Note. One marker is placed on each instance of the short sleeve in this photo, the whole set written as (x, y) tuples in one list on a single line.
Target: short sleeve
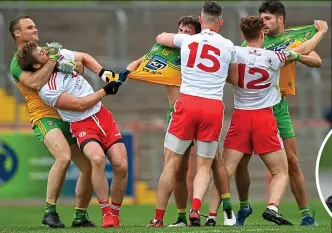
[(179, 38), (233, 54), (67, 55), (49, 95), (277, 59), (15, 70)]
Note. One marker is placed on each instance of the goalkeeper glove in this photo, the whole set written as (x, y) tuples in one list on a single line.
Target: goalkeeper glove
[(53, 50), (107, 75), (66, 67), (112, 87)]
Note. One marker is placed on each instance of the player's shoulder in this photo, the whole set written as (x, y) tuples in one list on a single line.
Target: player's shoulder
[(15, 69)]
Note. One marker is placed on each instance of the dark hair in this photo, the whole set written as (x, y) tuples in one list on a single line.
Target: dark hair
[(212, 8), (274, 7), (251, 26), (190, 20), (25, 58), (13, 25)]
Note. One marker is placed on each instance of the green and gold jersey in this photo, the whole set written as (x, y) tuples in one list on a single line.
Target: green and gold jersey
[(161, 65)]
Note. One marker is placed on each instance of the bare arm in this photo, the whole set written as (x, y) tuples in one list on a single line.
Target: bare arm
[(88, 62), (79, 68), (135, 64), (79, 104), (36, 80), (166, 39), (311, 60), (233, 74)]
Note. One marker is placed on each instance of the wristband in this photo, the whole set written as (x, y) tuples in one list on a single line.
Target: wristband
[(101, 72), (298, 56)]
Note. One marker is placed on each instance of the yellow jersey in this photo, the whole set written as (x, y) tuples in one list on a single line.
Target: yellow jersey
[(37, 108)]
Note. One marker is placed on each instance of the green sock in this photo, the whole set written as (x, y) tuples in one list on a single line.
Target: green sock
[(244, 203), (182, 214), (305, 211), (80, 214), (50, 207), (226, 201)]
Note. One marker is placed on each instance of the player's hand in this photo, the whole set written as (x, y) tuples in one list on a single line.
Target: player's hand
[(321, 25), (290, 54), (107, 75), (53, 50), (66, 67), (112, 87), (123, 74)]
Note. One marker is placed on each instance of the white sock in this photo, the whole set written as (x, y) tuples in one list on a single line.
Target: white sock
[(273, 207), (212, 217)]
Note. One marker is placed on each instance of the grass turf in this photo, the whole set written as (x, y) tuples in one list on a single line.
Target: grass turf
[(27, 219)]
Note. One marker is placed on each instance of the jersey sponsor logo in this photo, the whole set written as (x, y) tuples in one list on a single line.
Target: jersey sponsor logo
[(156, 63), (8, 163), (282, 46), (50, 123)]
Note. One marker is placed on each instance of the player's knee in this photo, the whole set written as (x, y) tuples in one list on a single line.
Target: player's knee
[(293, 163), (121, 168), (63, 160), (97, 159)]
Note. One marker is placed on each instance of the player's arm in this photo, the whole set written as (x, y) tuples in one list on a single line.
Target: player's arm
[(35, 80), (309, 45), (171, 39), (79, 68), (135, 64), (63, 100), (233, 73), (312, 60)]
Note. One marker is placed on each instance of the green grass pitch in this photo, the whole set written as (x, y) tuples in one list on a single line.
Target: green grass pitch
[(27, 219)]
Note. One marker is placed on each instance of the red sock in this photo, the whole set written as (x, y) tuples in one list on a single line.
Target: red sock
[(115, 208), (212, 214), (196, 205), (274, 204), (105, 207), (159, 214)]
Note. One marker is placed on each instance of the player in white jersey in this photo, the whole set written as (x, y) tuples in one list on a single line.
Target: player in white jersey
[(90, 122), (256, 90), (207, 60), (253, 127)]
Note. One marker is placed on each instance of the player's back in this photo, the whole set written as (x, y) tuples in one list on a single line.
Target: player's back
[(259, 71), (205, 60)]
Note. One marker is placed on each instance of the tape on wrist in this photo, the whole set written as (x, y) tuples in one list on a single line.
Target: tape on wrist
[(298, 56)]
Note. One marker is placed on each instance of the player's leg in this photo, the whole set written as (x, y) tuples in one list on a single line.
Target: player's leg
[(180, 188), (296, 177), (239, 138), (268, 144), (221, 184), (181, 191), (48, 131), (117, 155), (242, 181), (207, 138), (83, 189), (93, 151), (179, 136), (276, 162), (192, 169), (174, 150), (83, 185)]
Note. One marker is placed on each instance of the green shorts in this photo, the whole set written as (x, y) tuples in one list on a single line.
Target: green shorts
[(169, 114), (284, 120), (45, 124)]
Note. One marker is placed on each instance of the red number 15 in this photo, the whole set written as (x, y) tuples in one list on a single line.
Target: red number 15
[(193, 47)]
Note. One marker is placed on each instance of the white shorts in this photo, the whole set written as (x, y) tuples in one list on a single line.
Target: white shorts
[(179, 146)]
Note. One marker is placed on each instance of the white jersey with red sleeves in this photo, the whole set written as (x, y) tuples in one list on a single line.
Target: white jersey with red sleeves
[(73, 84), (205, 60), (259, 71)]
